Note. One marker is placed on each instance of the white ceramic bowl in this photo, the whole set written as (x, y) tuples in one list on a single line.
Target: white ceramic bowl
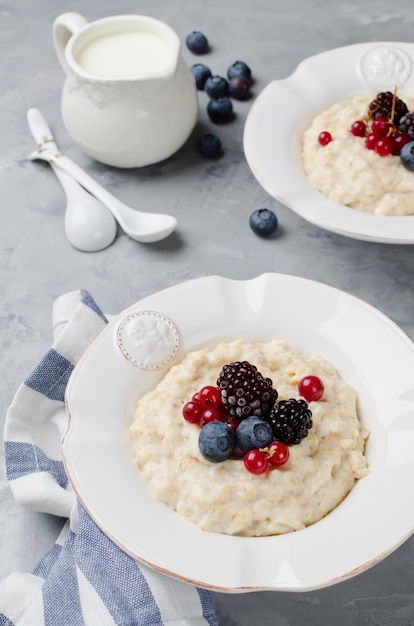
[(369, 351), (284, 109)]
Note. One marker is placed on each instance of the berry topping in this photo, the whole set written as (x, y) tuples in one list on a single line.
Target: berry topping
[(216, 441), (239, 68), (197, 42), (381, 127), (388, 125), (216, 86), (290, 420), (311, 388), (200, 72), (384, 146), (407, 156), (399, 140), (406, 124), (212, 414), (387, 104), (253, 432), (277, 453), (358, 128), (324, 138), (209, 396), (192, 411), (233, 422), (256, 461), (244, 391), (370, 141), (263, 222), (239, 88), (210, 146), (220, 110)]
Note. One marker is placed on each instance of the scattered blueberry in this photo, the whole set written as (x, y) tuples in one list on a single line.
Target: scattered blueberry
[(216, 86), (220, 110), (197, 42), (201, 73), (239, 68), (216, 441), (263, 222), (239, 88), (407, 156), (253, 432), (210, 146)]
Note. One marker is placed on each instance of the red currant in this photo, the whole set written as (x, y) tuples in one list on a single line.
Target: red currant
[(196, 397), (380, 126), (324, 138), (358, 128), (277, 453), (384, 146), (399, 140), (370, 141), (256, 461), (192, 411), (212, 414), (311, 388), (233, 423), (209, 396)]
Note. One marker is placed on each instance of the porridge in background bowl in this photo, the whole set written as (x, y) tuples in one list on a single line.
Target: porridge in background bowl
[(349, 173), (224, 497)]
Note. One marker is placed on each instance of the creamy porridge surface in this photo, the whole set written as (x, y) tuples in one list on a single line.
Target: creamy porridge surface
[(347, 172), (225, 497)]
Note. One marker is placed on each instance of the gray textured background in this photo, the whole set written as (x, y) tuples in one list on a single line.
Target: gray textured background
[(212, 201)]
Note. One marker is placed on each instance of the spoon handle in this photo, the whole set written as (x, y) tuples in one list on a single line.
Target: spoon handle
[(70, 167), (44, 137)]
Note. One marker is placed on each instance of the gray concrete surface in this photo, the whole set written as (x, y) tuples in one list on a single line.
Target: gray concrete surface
[(212, 201)]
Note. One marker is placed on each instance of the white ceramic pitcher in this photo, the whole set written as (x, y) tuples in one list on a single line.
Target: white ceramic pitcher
[(129, 98)]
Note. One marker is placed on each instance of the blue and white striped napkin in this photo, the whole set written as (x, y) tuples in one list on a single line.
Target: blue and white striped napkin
[(84, 579)]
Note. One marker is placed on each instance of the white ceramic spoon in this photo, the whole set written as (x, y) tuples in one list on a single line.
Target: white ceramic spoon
[(89, 226), (139, 225)]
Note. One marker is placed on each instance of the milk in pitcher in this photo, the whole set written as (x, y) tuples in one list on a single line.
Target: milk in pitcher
[(123, 54)]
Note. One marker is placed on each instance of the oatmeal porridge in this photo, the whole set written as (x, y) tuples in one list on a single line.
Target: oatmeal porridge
[(224, 497), (347, 172)]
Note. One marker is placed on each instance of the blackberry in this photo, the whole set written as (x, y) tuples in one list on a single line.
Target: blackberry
[(244, 391), (406, 124), (381, 106), (290, 420)]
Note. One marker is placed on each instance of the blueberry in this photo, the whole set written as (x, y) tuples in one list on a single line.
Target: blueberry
[(220, 110), (263, 222), (253, 432), (210, 146), (407, 156), (239, 88), (197, 42), (216, 441), (201, 73), (216, 86), (239, 68)]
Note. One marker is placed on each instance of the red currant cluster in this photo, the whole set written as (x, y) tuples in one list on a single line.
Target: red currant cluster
[(258, 460), (206, 406), (381, 135)]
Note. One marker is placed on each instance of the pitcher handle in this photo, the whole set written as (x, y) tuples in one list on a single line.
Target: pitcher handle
[(64, 27)]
